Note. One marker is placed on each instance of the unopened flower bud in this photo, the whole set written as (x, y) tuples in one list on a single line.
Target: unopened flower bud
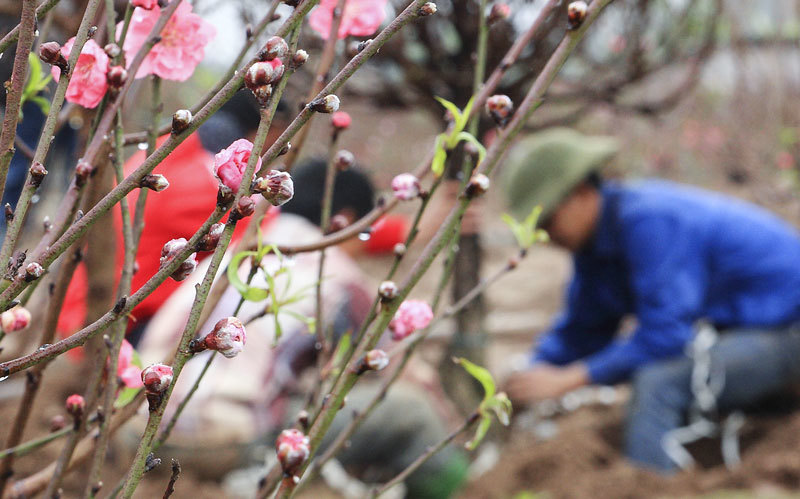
[(156, 378), (50, 53), (116, 76), (303, 418), (181, 120), (341, 120), (376, 359), (258, 74), (343, 160), (299, 58), (262, 94), (154, 181), (228, 337), (387, 290), (399, 250), (57, 422), (170, 250), (363, 44), (75, 405), (245, 207), (33, 271), (209, 241), (576, 13), (225, 195), (327, 104), (112, 50), (15, 319), (292, 448), (428, 9), (405, 186), (82, 172), (500, 107), (37, 172), (276, 186), (275, 48), (499, 12), (9, 212), (478, 185)]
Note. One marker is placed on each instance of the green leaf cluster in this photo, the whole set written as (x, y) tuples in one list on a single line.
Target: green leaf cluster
[(525, 231), (493, 403), (448, 141), (35, 83)]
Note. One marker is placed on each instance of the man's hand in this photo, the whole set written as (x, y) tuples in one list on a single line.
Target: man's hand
[(545, 381)]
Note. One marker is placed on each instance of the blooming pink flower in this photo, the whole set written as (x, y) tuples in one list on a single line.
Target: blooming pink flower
[(145, 4), (341, 120), (411, 316), (88, 84), (15, 319), (292, 449), (230, 163), (228, 337), (156, 378), (405, 186), (360, 17), (127, 371), (182, 45)]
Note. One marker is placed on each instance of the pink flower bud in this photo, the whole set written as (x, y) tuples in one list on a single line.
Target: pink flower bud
[(15, 319), (116, 76), (209, 241), (328, 104), (376, 359), (50, 53), (478, 185), (181, 120), (299, 58), (500, 108), (33, 271), (276, 47), (156, 378), (145, 4), (576, 13), (428, 9), (387, 290), (499, 12), (343, 160), (37, 173), (341, 120), (155, 182), (228, 337), (112, 50), (292, 447), (258, 74), (276, 186), (405, 186), (244, 207), (75, 405), (231, 163), (411, 316), (170, 250)]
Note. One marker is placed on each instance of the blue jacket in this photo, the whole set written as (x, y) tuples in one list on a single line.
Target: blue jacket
[(671, 255)]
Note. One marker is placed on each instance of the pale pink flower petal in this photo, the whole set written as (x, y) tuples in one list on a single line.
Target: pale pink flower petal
[(360, 17), (411, 316), (230, 163), (88, 84)]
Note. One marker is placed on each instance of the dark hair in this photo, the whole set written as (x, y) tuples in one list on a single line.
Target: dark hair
[(235, 119), (352, 189), (594, 179)]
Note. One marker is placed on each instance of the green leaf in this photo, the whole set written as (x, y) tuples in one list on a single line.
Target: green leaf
[(454, 110), (481, 374), (43, 103), (480, 432), (461, 123), (468, 137), (500, 405), (439, 156), (249, 293), (342, 349), (126, 395)]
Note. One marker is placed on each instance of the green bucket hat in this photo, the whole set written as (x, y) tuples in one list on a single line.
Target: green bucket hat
[(543, 168)]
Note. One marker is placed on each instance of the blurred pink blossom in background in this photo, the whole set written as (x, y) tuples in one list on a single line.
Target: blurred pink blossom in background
[(360, 17)]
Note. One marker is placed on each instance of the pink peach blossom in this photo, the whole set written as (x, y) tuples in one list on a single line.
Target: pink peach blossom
[(182, 45), (88, 84), (230, 163), (411, 316), (360, 17), (405, 186), (127, 371)]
